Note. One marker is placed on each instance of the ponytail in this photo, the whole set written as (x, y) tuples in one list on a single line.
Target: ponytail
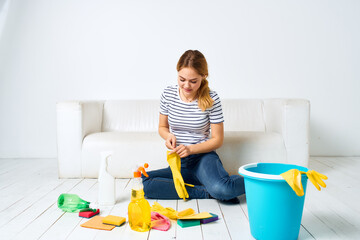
[(204, 99)]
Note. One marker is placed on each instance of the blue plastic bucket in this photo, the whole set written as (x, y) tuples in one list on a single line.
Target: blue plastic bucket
[(274, 209)]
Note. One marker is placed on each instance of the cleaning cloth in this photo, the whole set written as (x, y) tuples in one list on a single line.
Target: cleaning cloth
[(159, 222), (175, 165), (113, 220), (171, 213), (96, 223), (201, 215), (293, 178)]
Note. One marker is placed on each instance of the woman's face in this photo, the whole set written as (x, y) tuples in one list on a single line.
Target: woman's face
[(189, 82)]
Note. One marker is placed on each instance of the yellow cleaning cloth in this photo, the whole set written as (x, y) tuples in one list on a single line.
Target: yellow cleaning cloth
[(171, 213), (96, 223), (113, 220), (201, 215), (293, 178), (185, 213), (175, 165)]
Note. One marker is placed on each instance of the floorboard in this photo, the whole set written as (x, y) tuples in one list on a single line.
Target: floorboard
[(214, 230), (191, 232), (236, 221), (29, 189)]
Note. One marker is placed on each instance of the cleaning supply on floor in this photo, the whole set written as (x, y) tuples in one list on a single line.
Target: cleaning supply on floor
[(173, 214), (88, 214), (72, 203), (96, 223), (293, 178), (175, 165), (113, 220), (199, 216), (186, 212), (106, 181), (160, 222), (210, 219), (188, 223), (139, 213), (170, 212)]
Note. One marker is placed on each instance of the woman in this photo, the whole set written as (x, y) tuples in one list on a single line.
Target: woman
[(187, 113)]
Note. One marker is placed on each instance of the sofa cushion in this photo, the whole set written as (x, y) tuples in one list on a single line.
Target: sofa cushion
[(241, 148), (134, 148)]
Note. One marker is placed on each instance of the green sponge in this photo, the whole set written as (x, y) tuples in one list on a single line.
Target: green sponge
[(188, 223)]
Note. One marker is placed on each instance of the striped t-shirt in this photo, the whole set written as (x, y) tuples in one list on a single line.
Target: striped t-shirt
[(187, 121)]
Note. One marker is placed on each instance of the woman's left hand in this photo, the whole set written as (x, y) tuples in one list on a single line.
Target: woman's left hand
[(182, 151)]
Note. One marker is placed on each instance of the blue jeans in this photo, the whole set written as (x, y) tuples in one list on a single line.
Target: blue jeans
[(205, 171)]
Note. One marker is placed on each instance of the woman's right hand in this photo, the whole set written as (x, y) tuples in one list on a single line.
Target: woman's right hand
[(170, 141)]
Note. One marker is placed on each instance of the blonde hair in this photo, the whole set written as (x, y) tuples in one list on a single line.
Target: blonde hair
[(196, 60)]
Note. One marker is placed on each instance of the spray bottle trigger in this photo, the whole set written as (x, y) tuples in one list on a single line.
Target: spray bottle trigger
[(142, 169)]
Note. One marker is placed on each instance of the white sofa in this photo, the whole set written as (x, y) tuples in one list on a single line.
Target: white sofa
[(268, 130)]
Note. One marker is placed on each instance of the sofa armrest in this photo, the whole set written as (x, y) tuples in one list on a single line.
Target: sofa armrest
[(290, 118), (75, 120)]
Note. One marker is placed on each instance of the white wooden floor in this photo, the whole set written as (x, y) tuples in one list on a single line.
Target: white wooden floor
[(29, 189)]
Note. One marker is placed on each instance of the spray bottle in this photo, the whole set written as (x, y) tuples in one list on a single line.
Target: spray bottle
[(139, 212), (106, 181), (73, 203)]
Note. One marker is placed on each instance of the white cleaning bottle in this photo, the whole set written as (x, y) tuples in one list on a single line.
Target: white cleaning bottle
[(106, 181)]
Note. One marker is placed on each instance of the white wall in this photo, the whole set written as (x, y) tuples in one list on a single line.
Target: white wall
[(52, 50)]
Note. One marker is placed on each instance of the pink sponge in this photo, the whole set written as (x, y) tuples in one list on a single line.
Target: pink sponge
[(89, 214)]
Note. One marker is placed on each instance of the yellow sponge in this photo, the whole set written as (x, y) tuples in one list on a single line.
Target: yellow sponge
[(113, 220)]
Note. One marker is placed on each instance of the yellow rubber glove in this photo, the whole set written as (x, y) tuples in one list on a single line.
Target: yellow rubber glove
[(175, 164), (171, 213), (316, 178), (293, 178)]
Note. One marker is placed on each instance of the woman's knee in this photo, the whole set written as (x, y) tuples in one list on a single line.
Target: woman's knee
[(219, 191), (148, 189)]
